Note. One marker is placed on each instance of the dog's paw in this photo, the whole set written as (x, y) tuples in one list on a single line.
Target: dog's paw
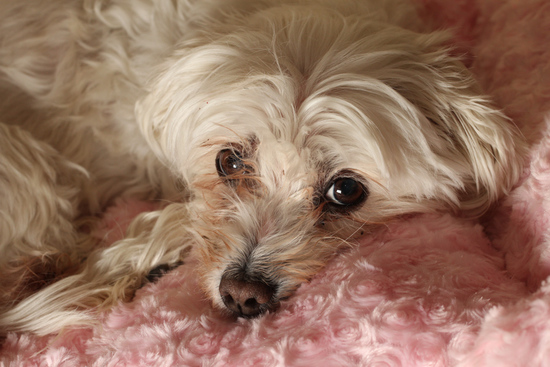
[(159, 271)]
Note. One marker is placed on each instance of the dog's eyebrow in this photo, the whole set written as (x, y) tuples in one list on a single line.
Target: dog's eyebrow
[(243, 145)]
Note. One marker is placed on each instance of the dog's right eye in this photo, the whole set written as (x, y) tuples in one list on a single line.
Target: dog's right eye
[(345, 193), (229, 163)]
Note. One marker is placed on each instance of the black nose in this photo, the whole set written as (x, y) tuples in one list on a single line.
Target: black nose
[(246, 298)]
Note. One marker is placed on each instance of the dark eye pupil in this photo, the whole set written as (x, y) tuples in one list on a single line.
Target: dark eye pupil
[(347, 191), (345, 187), (233, 163), (229, 162)]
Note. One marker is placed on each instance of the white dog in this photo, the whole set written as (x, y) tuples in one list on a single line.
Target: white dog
[(276, 132)]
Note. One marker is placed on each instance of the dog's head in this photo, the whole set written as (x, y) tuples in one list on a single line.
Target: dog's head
[(296, 131)]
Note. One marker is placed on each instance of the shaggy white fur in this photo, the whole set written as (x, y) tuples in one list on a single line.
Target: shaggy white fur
[(274, 131)]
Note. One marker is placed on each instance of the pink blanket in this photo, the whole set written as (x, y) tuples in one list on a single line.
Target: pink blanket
[(425, 291)]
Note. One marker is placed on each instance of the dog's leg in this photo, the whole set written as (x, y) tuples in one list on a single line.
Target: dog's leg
[(109, 275), (38, 240)]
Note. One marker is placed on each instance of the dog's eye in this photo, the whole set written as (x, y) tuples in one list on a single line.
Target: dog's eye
[(345, 192), (230, 163)]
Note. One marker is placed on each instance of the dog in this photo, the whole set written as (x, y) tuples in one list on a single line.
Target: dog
[(273, 132)]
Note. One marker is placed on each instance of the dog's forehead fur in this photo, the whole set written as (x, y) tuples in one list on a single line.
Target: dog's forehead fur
[(320, 117)]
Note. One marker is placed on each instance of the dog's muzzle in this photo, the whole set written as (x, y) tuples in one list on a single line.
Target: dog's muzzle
[(247, 297)]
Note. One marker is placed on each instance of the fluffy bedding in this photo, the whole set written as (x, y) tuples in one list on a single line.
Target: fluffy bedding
[(430, 290)]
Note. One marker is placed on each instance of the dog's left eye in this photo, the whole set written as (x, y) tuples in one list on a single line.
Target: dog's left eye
[(230, 163), (346, 192)]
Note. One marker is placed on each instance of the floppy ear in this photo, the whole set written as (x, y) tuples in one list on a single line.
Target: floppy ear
[(490, 143), (471, 129)]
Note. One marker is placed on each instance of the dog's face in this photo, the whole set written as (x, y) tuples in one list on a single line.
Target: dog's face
[(295, 133)]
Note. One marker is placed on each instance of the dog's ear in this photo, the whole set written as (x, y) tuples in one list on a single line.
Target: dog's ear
[(471, 132)]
